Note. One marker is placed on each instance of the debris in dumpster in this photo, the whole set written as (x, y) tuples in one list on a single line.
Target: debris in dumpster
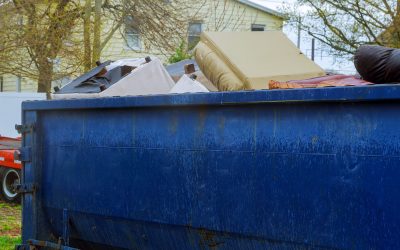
[(134, 62), (177, 70), (206, 83), (148, 79), (188, 84), (217, 71), (126, 77), (79, 84), (378, 64), (318, 82), (229, 61), (189, 68), (101, 77), (249, 60)]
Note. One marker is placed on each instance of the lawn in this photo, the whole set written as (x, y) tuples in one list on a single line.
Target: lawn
[(10, 226), (8, 243)]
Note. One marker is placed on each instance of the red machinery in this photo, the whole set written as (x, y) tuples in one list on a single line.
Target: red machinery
[(10, 168)]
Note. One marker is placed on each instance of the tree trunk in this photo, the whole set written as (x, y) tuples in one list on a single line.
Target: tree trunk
[(45, 77), (97, 32), (87, 58)]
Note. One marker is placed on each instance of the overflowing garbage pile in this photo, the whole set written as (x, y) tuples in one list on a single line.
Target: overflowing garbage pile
[(230, 61), (129, 77)]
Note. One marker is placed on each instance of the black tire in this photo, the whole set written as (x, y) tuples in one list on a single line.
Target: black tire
[(9, 177)]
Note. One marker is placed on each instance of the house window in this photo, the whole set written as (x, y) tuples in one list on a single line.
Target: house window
[(132, 35), (194, 31), (257, 27)]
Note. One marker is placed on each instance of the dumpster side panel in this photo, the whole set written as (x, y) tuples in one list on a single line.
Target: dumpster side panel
[(275, 175)]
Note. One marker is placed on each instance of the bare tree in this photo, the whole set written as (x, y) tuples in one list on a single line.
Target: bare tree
[(227, 15), (34, 34), (345, 25)]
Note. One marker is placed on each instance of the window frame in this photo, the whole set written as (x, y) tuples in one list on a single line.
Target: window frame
[(256, 27), (131, 31), (192, 36)]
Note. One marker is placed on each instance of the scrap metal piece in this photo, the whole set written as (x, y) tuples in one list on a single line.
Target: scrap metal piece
[(189, 68), (70, 87)]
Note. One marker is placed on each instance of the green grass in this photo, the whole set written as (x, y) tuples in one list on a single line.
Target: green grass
[(8, 243), (6, 228), (10, 226)]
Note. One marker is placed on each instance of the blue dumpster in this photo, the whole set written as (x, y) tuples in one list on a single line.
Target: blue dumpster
[(279, 169)]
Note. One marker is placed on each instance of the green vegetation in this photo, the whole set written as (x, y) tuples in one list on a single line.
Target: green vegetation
[(180, 54), (10, 226), (8, 243), (6, 227)]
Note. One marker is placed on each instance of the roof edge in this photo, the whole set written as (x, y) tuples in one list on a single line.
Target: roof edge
[(262, 8)]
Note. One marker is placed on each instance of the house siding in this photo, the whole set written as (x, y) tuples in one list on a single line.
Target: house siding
[(10, 84), (216, 15)]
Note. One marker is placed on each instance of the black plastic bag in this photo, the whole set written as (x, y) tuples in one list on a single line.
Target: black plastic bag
[(378, 64)]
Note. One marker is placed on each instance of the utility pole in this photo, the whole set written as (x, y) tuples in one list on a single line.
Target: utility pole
[(19, 83), (313, 49), (299, 32)]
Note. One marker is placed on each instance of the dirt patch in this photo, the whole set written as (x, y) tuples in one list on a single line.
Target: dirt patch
[(10, 220)]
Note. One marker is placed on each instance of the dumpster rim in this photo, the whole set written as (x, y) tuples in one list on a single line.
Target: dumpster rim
[(381, 92)]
